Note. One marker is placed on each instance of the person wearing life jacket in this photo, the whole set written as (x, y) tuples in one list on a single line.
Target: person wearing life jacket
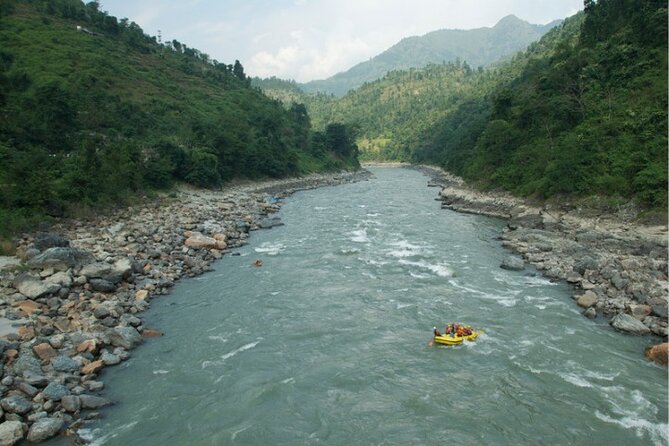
[(436, 331)]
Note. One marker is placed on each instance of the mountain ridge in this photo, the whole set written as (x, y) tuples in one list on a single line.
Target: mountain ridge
[(477, 47)]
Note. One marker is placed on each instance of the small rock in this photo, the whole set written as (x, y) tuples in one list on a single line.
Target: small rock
[(150, 333), (94, 386), (109, 358), (92, 367), (590, 313), (89, 345), (142, 294)]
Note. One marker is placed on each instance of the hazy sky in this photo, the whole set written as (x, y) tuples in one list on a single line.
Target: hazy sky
[(314, 39)]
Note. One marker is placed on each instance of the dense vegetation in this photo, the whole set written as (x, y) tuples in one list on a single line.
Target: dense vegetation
[(581, 112), (92, 110), (589, 117), (479, 47)]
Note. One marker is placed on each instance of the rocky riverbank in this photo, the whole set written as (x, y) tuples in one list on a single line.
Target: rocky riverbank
[(70, 303), (617, 266)]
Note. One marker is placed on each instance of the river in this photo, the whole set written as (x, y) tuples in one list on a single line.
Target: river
[(327, 342)]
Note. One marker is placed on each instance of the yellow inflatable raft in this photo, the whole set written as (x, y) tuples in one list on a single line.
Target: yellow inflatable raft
[(447, 339)]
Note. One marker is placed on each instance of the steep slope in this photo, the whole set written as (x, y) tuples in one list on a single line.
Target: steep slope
[(587, 118), (93, 110), (477, 47)]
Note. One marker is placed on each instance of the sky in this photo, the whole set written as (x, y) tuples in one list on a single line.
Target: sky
[(315, 39)]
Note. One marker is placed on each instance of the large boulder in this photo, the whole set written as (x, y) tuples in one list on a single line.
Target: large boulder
[(126, 337), (270, 222), (625, 322), (659, 353), (16, 404), (33, 288), (44, 428), (102, 285), (198, 241), (64, 364), (587, 300), (513, 263), (55, 391), (9, 263), (61, 278), (93, 402), (11, 432), (586, 263), (121, 269), (48, 240), (61, 258)]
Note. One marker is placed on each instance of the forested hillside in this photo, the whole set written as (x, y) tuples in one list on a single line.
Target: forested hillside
[(587, 118), (476, 47), (581, 112), (92, 110)]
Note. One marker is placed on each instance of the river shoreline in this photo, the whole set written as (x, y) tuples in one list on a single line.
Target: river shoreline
[(617, 266), (72, 305), (71, 300)]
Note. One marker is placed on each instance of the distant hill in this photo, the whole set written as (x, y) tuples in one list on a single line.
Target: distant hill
[(477, 47)]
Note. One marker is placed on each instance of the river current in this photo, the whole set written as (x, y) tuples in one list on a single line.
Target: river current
[(327, 342)]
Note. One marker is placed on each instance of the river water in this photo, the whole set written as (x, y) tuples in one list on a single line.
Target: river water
[(327, 342)]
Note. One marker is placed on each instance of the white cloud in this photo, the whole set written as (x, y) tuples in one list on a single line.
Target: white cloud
[(305, 40)]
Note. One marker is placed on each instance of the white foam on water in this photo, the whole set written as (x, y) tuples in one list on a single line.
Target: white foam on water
[(400, 306), (658, 432), (321, 208), (288, 380), (217, 338), (89, 435), (373, 214), (404, 248), (239, 431), (507, 301), (161, 372), (245, 347), (373, 262), (270, 249), (275, 293), (419, 276), (575, 379), (440, 270), (359, 236), (228, 355)]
